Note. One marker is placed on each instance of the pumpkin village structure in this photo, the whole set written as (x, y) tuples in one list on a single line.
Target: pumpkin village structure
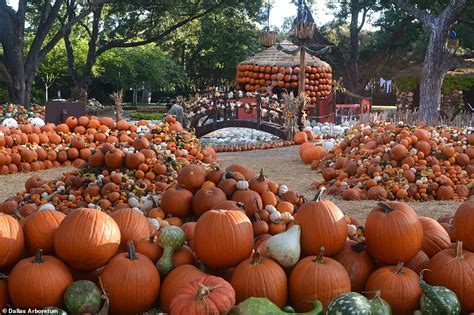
[(144, 218)]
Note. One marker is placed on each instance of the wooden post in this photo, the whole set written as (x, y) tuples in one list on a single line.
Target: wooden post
[(225, 106), (259, 110), (301, 85), (214, 108)]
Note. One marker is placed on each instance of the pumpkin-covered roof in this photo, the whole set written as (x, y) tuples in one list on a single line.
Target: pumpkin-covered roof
[(277, 58)]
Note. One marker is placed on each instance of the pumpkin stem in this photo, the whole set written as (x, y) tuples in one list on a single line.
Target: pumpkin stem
[(256, 202), (256, 258), (358, 247), (257, 217), (385, 206), (320, 258), (131, 251), (39, 256), (319, 194), (152, 237), (3, 276), (399, 268), (241, 205), (459, 254), (18, 214), (261, 177), (204, 290)]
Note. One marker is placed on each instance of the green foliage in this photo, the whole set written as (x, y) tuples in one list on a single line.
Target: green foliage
[(406, 84), (135, 67), (453, 83), (147, 116)]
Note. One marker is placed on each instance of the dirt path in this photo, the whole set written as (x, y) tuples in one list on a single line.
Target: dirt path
[(11, 184), (284, 166)]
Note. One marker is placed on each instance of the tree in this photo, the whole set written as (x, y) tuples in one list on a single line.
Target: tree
[(127, 24), (139, 67), (346, 38), (19, 62), (438, 61)]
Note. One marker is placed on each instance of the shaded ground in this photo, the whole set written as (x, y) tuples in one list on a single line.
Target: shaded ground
[(282, 165)]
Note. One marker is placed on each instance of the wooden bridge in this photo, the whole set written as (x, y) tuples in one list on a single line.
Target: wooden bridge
[(245, 113)]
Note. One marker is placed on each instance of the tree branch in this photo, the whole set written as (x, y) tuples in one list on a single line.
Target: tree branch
[(59, 35), (421, 15), (88, 30), (124, 43), (364, 15), (6, 8), (453, 10)]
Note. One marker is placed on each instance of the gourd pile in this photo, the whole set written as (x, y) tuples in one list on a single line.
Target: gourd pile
[(20, 113), (396, 162), (254, 78), (227, 241), (36, 146)]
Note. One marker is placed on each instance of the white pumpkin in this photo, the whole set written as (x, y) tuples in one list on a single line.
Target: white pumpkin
[(38, 122), (242, 185), (10, 123), (282, 189), (46, 206)]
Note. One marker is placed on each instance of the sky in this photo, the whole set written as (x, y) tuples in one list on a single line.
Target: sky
[(280, 10)]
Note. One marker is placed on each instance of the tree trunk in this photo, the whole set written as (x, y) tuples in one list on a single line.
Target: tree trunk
[(435, 67), (46, 91), (135, 97), (146, 94)]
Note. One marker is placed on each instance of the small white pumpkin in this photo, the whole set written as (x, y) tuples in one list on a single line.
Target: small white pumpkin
[(133, 202), (242, 185), (46, 206), (282, 189), (275, 217), (271, 208), (38, 122)]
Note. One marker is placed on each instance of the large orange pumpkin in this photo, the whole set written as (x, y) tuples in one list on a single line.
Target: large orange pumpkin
[(223, 238), (317, 278), (191, 177), (359, 265), (87, 238), (131, 272), (463, 224), (454, 269), (206, 198), (177, 202), (132, 224), (11, 241), (40, 228), (435, 237), (312, 153), (384, 240), (260, 277), (206, 295), (38, 282), (175, 280), (322, 225), (247, 172), (398, 286)]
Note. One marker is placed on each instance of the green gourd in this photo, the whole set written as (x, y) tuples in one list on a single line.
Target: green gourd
[(350, 303), (82, 297), (438, 299), (263, 306), (170, 238), (380, 306)]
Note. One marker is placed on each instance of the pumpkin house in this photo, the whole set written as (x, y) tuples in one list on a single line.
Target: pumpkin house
[(273, 71)]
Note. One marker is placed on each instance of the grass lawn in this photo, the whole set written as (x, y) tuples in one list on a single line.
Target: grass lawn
[(147, 116)]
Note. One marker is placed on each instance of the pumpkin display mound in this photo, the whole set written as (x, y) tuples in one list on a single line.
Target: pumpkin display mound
[(400, 162)]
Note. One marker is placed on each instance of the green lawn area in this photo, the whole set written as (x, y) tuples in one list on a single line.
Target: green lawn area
[(147, 116)]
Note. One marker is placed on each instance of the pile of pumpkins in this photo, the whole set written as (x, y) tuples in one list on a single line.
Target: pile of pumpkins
[(258, 78), (262, 146), (20, 113), (220, 241), (34, 147), (396, 162)]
